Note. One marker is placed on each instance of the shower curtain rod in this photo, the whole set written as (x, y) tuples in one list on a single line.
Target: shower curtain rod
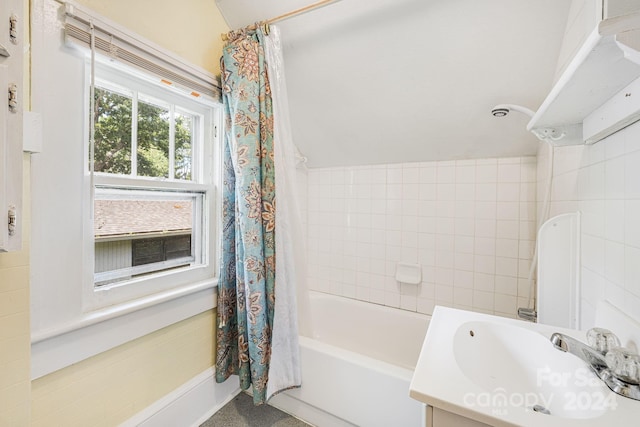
[(287, 15)]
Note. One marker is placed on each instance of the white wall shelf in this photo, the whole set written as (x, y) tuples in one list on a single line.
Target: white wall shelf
[(607, 62)]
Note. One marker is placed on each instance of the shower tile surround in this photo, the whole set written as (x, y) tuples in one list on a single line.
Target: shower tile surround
[(602, 181), (470, 224)]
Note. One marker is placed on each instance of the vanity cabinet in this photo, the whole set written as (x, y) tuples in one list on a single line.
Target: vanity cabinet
[(436, 417), (479, 370)]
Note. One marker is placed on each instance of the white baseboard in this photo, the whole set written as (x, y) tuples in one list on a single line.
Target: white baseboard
[(189, 405)]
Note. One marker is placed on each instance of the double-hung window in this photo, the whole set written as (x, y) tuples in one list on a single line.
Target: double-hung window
[(150, 176), (124, 224)]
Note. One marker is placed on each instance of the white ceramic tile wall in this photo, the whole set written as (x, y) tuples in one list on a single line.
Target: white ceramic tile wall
[(603, 182), (469, 224)]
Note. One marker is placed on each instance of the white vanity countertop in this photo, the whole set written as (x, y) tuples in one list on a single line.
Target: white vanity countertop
[(470, 383)]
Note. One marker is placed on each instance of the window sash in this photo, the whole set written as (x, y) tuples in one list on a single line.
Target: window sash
[(129, 272), (199, 232), (174, 108)]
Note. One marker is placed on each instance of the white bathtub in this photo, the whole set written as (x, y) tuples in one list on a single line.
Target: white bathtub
[(357, 366)]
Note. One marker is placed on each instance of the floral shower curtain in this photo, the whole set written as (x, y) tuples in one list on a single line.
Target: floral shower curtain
[(247, 286)]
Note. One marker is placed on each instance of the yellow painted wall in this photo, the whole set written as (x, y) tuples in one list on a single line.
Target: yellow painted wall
[(111, 387), (15, 347), (189, 28)]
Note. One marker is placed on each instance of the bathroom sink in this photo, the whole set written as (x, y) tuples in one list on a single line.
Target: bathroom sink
[(506, 372), (521, 367)]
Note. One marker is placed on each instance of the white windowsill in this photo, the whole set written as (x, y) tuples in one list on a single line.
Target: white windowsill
[(104, 329)]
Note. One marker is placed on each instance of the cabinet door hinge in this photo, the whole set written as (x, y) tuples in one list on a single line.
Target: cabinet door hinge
[(13, 98), (13, 29), (12, 220)]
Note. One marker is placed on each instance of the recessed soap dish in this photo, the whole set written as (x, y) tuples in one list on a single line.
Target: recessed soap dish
[(408, 273)]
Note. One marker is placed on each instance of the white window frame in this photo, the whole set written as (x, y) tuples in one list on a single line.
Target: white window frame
[(69, 321), (118, 75)]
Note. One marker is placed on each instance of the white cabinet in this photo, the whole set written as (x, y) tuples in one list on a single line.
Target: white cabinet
[(584, 16), (613, 8), (12, 33), (603, 48), (437, 417)]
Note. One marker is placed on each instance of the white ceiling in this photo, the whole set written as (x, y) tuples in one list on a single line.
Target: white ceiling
[(383, 81)]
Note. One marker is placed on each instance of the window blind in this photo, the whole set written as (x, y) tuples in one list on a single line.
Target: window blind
[(118, 44)]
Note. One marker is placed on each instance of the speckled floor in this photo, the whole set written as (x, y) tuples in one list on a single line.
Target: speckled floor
[(241, 412)]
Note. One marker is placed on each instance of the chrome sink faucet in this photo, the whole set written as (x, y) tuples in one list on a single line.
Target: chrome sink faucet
[(617, 366), (591, 356)]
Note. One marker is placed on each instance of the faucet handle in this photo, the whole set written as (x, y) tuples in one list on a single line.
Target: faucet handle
[(602, 340), (624, 364)]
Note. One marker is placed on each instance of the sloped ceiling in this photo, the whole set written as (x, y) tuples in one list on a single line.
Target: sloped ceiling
[(382, 81)]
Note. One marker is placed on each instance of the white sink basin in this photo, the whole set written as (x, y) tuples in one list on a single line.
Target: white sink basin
[(506, 372), (522, 367)]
